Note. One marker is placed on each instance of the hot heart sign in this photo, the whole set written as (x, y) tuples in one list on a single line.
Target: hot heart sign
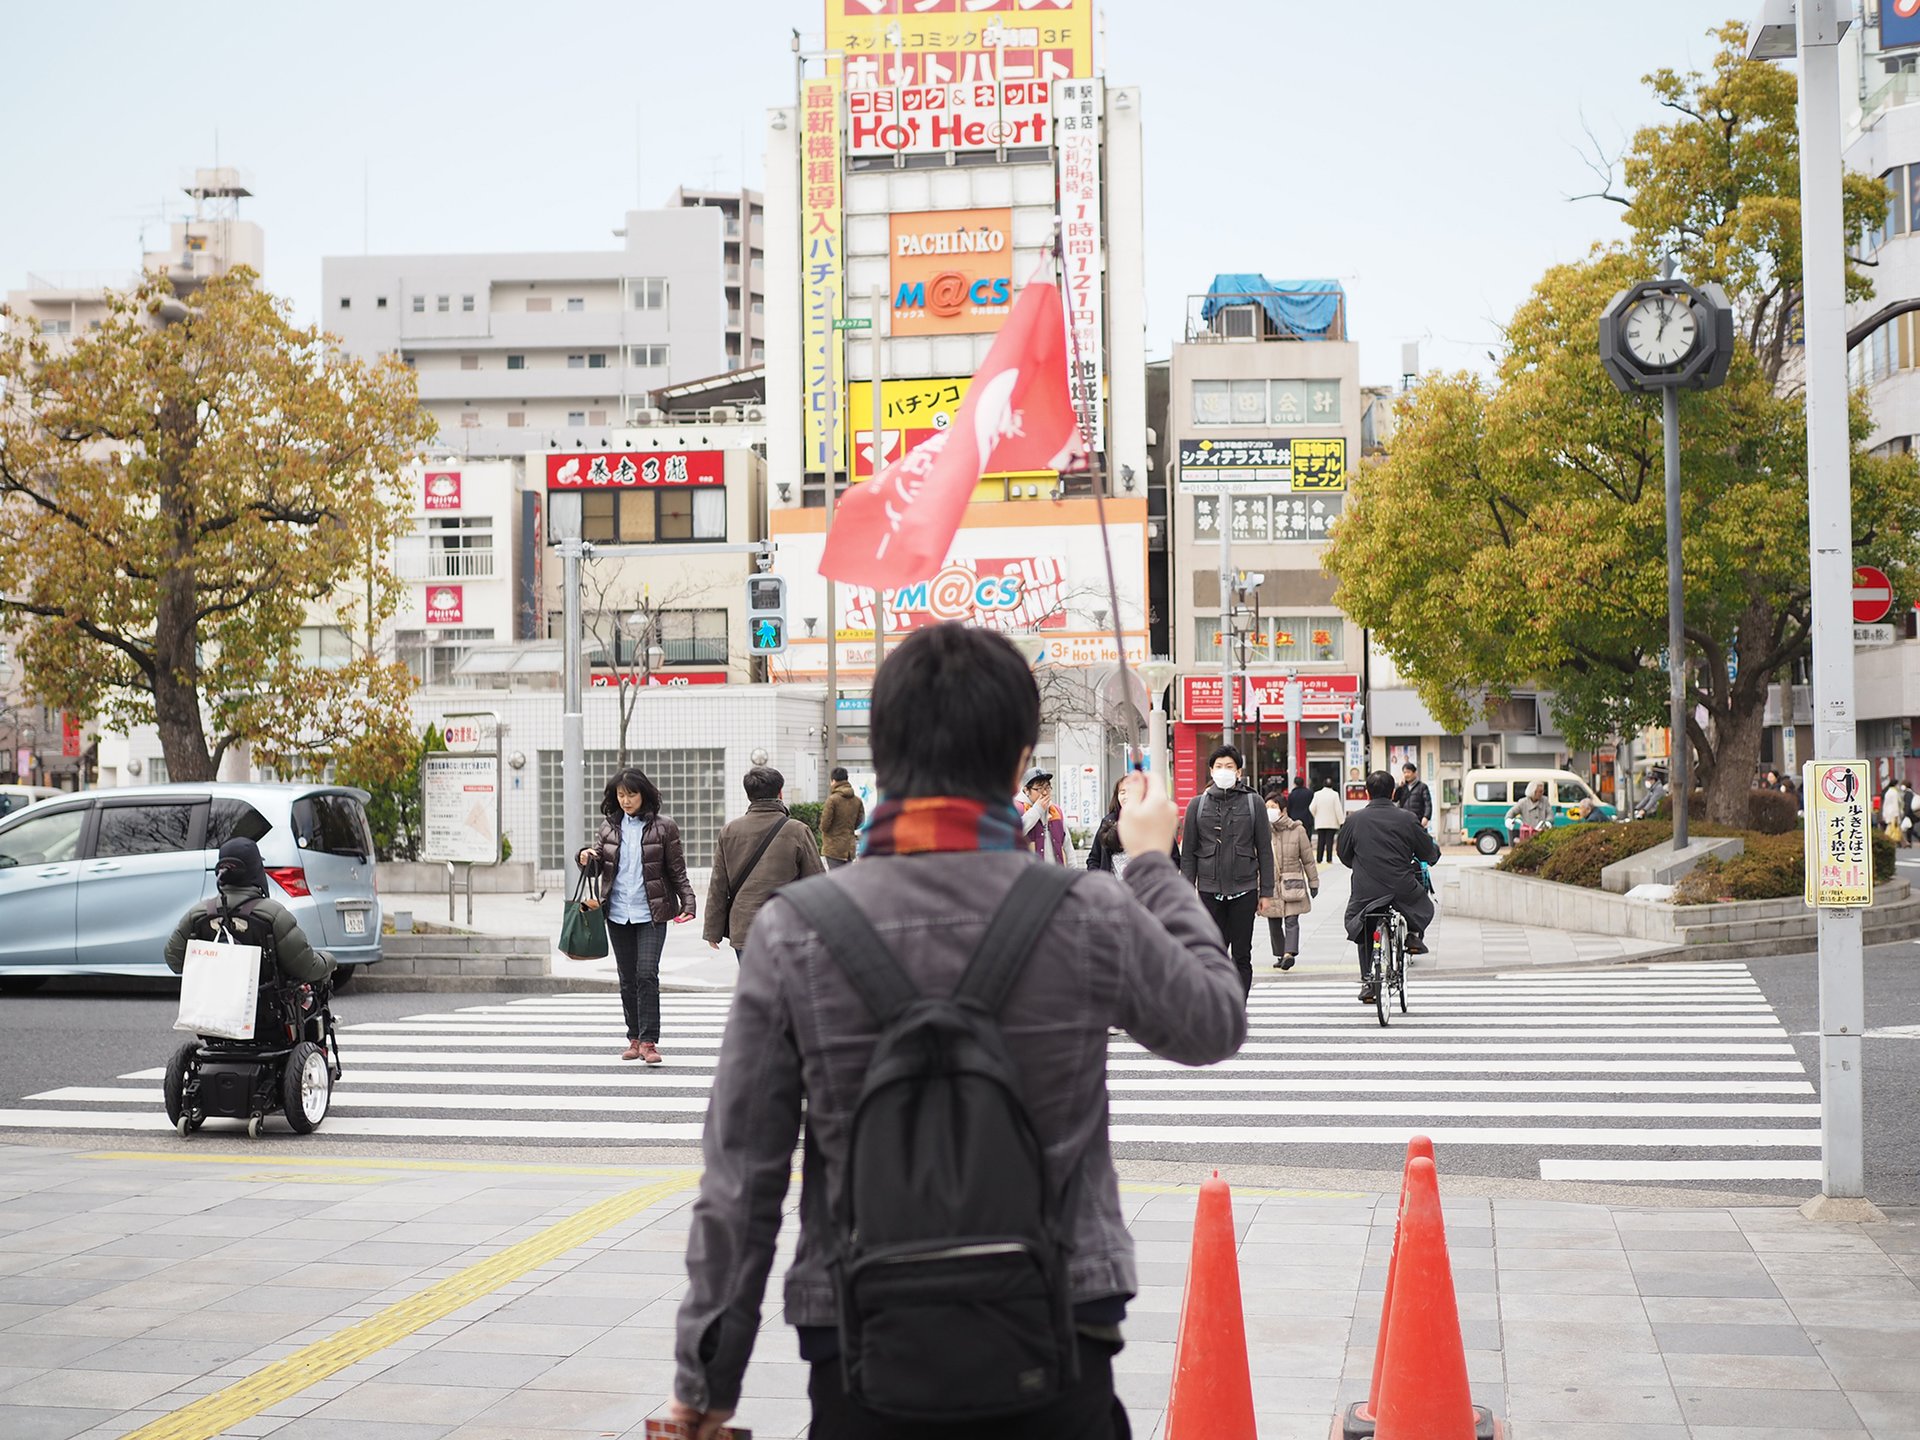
[(1872, 595)]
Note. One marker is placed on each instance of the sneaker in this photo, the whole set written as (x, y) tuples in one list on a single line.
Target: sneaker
[(1416, 946), (649, 1052), (1368, 994), (1286, 961), (632, 1052)]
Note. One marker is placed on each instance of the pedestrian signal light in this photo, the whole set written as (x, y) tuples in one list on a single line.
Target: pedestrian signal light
[(766, 615)]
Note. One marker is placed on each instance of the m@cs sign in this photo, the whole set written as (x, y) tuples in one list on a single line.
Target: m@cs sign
[(952, 271)]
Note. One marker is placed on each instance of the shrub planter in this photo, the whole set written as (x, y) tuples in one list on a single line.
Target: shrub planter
[(1743, 927)]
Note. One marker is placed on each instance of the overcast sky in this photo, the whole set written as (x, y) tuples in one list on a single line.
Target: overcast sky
[(1422, 153)]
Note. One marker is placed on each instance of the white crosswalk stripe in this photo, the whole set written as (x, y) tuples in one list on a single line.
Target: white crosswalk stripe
[(1668, 1074)]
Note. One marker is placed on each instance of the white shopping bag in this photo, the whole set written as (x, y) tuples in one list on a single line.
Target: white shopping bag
[(219, 989)]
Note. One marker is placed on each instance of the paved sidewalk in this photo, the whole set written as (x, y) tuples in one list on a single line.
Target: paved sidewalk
[(1458, 942), (310, 1298)]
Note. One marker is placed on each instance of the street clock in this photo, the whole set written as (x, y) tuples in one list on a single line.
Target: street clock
[(1667, 334)]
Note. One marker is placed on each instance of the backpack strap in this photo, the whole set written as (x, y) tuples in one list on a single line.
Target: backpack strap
[(1012, 933), (854, 945)]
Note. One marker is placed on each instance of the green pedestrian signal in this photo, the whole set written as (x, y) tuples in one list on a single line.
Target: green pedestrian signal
[(766, 615)]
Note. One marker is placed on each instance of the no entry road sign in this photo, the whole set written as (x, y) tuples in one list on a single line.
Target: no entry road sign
[(1872, 594)]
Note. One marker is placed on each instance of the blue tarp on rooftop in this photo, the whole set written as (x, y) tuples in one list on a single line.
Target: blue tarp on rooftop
[(1307, 308)]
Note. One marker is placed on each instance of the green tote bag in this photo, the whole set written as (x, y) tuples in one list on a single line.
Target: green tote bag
[(583, 927)]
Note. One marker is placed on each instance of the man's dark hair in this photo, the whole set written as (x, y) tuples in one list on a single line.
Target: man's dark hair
[(954, 709), (763, 782), (1226, 752), (1299, 782), (1273, 787), (839, 772), (1379, 786), (1409, 768)]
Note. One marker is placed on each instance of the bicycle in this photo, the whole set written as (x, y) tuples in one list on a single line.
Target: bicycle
[(1387, 973)]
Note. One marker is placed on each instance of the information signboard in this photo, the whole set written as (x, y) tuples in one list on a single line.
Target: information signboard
[(1839, 834), (460, 809)]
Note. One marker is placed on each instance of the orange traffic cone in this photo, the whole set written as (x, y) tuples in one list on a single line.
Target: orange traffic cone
[(1420, 1389), (1212, 1394)]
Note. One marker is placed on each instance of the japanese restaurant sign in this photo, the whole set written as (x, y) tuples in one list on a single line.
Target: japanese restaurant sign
[(1839, 834), (619, 469)]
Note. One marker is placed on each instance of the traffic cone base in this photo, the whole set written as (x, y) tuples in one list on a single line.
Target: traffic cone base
[(1356, 1423)]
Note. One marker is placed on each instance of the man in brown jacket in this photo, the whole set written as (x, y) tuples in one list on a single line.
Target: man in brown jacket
[(754, 856), (840, 821)]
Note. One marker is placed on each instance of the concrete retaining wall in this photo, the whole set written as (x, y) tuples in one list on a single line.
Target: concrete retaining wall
[(1750, 926), (409, 877), (488, 957)]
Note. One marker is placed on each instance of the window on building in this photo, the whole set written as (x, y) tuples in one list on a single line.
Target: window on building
[(1212, 403), (576, 362), (596, 417), (469, 419), (1279, 639), (56, 327), (647, 357), (539, 304), (516, 419), (759, 354), (432, 655), (380, 302), (442, 304), (466, 304), (325, 647), (760, 308), (693, 637), (1305, 402), (597, 360), (346, 303), (419, 304), (640, 517), (649, 294), (695, 778), (575, 304), (516, 362), (576, 417), (469, 362)]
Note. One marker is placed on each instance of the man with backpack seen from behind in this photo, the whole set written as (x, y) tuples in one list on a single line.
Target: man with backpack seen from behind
[(1227, 854), (937, 1016), (754, 856)]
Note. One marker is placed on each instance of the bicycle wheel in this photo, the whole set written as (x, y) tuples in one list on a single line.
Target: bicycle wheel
[(1382, 960), (1400, 969)]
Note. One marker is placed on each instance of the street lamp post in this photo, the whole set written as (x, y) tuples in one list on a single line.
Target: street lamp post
[(1812, 29)]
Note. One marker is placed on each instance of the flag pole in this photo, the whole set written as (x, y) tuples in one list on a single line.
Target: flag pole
[(1136, 756)]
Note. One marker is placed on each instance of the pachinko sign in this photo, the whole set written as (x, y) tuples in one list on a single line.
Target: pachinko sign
[(952, 271), (1025, 593)]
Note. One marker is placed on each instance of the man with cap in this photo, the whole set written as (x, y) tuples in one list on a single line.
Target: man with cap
[(1041, 823), (243, 883)]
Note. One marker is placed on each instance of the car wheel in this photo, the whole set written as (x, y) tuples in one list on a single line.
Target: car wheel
[(1487, 843), (20, 984), (306, 1087)]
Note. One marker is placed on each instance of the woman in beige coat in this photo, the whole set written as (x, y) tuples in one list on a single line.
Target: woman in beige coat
[(1296, 879)]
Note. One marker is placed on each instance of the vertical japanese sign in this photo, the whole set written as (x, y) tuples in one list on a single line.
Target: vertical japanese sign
[(1839, 834), (821, 256), (1076, 110)]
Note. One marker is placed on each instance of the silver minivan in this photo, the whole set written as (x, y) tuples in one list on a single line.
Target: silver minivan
[(94, 883)]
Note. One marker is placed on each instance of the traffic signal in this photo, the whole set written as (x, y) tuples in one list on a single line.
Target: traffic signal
[(766, 615)]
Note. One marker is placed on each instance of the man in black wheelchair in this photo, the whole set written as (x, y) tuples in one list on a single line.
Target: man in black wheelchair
[(293, 1059), (1383, 845)]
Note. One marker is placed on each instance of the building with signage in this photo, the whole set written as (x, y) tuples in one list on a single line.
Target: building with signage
[(1884, 360), (1263, 429), (557, 350), (910, 196)]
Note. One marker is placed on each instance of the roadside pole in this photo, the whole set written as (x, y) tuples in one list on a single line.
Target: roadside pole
[(566, 519), (1680, 777), (1830, 546), (879, 596), (1226, 626)]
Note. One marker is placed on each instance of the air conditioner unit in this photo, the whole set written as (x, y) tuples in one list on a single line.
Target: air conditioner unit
[(722, 415), (1236, 322), (754, 414), (1486, 754), (647, 417)]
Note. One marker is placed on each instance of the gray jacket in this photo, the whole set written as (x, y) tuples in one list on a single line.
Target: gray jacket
[(1138, 952)]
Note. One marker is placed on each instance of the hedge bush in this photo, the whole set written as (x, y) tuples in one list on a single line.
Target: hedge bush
[(1772, 867), (1626, 838), (808, 813), (1768, 811)]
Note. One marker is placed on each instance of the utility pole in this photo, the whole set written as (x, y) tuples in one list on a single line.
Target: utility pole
[(1226, 624), (833, 641), (879, 596)]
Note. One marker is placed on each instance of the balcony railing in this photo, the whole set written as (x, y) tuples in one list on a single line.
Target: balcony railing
[(413, 563), (1261, 315)]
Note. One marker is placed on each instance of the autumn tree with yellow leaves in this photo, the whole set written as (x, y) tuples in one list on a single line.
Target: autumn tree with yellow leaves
[(173, 499), (1515, 534)]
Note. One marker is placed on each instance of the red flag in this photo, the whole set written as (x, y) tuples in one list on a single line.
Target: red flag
[(1017, 416)]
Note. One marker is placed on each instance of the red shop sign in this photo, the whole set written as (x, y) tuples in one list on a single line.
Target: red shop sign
[(1326, 696), (620, 469), (440, 490), (663, 679), (446, 604)]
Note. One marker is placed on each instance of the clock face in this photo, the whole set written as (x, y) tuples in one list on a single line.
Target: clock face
[(1660, 330)]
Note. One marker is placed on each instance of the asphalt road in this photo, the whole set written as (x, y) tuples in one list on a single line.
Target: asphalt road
[(89, 1039)]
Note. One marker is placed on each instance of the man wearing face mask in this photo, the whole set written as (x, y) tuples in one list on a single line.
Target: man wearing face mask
[(1227, 854)]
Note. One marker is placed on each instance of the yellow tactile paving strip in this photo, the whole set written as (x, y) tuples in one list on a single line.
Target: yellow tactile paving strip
[(282, 1379)]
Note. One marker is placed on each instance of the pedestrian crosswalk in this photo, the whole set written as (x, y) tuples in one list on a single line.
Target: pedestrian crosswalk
[(1674, 1073)]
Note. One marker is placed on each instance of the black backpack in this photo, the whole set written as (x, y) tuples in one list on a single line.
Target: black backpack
[(951, 1275)]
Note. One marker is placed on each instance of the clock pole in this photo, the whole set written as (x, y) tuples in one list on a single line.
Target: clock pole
[(1679, 766)]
